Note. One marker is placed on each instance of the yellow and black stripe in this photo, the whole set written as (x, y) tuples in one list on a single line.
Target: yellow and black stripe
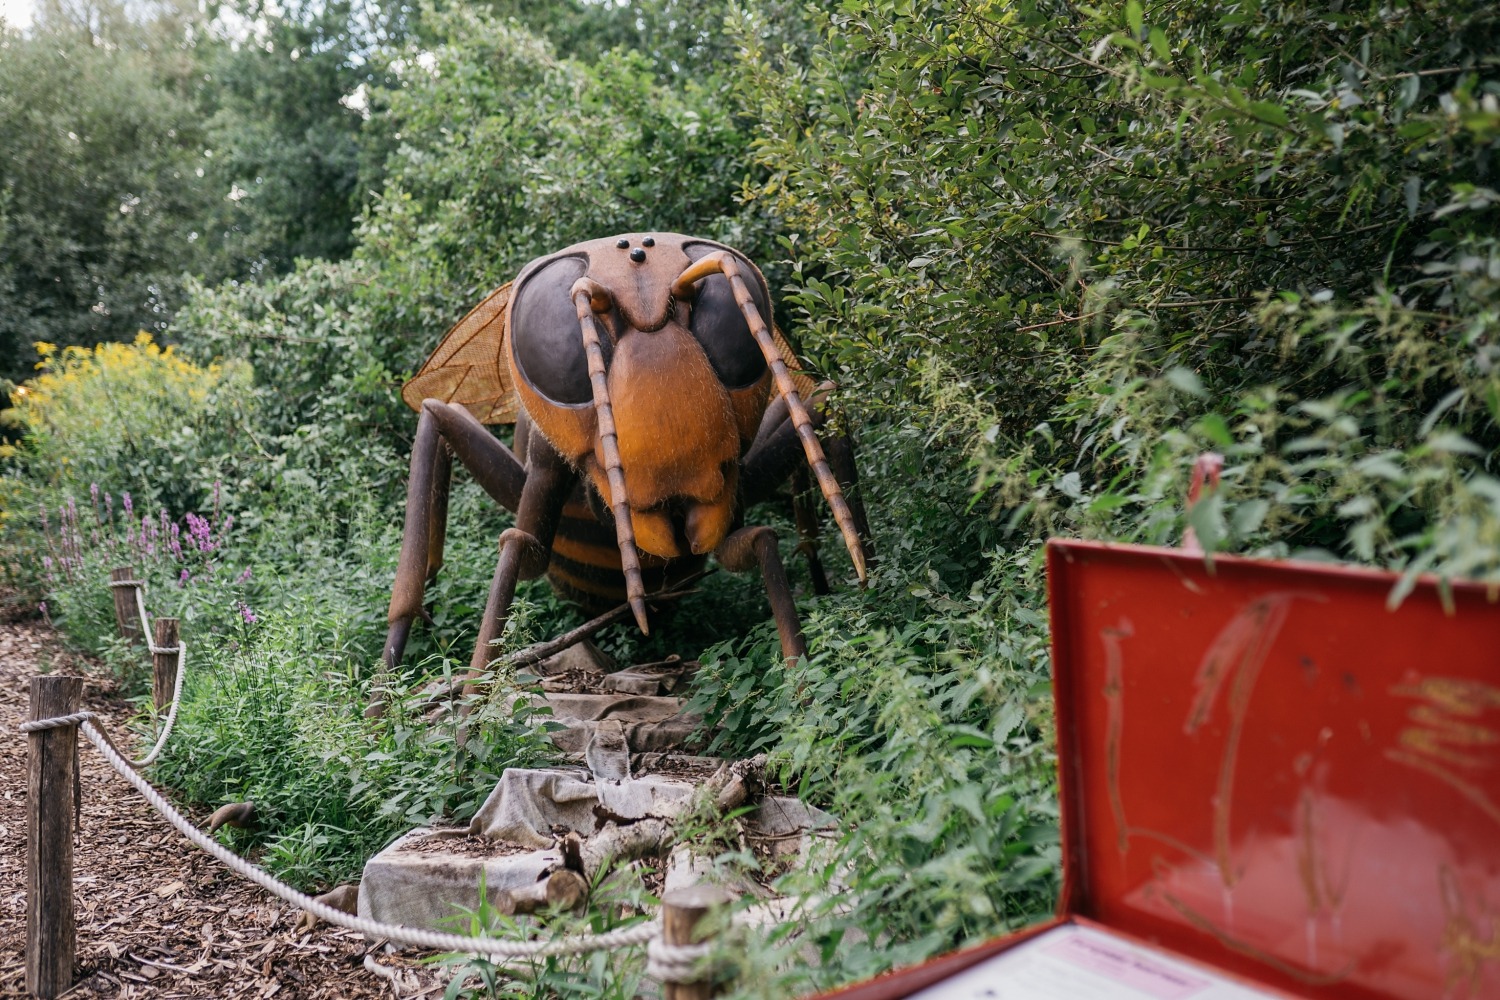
[(585, 565)]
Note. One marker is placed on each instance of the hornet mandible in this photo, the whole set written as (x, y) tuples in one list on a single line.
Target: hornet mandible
[(653, 403)]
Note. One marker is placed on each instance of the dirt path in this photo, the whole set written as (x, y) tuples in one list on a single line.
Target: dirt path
[(156, 917)]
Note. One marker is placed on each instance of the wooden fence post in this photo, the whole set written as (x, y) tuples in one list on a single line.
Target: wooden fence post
[(127, 616), (681, 912), (164, 665), (52, 761)]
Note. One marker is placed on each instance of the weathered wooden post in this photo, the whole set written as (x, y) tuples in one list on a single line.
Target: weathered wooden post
[(682, 910), (123, 584), (52, 769), (164, 665)]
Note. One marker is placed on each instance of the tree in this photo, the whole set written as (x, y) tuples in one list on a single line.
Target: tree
[(101, 201), (286, 130)]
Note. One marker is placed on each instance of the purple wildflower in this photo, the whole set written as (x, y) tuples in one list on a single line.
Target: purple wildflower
[(245, 613), (43, 609), (109, 506), (46, 562), (201, 532), (183, 579), (129, 506), (244, 577)]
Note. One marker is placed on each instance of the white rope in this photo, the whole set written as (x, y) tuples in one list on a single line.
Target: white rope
[(180, 649), (401, 984), (57, 722), (146, 630), (419, 937), (166, 727), (675, 963)]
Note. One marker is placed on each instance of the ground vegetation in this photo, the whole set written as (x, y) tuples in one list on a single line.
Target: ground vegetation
[(1050, 253)]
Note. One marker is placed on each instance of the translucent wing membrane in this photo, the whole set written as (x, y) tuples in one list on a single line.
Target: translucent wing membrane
[(468, 367)]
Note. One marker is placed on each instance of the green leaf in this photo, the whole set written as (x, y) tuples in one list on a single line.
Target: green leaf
[(1268, 111), (1213, 427), (1158, 40), (1186, 380)]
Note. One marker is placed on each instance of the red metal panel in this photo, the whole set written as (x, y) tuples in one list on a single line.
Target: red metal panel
[(1265, 768)]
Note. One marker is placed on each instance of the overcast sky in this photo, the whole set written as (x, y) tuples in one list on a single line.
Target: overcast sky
[(17, 13)]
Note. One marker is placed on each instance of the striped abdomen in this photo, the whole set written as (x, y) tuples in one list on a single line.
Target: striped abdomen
[(585, 565)]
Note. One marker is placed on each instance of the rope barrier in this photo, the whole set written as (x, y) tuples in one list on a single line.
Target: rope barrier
[(419, 937), (675, 963), (57, 722), (180, 649), (665, 962)]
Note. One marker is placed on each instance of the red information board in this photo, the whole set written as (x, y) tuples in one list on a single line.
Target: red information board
[(1269, 771)]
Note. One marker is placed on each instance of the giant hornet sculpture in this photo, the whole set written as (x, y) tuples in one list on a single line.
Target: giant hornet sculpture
[(652, 405)]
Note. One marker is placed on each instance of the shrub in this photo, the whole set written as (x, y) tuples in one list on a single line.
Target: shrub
[(137, 416)]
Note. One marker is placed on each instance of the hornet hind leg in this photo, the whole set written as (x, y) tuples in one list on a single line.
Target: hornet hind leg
[(776, 455)]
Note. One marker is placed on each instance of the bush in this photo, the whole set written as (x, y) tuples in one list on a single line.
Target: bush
[(1128, 235), (137, 416), (276, 716)]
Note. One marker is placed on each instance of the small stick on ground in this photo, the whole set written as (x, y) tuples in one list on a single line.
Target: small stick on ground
[(538, 652)]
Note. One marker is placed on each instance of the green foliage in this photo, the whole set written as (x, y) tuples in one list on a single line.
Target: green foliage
[(681, 40), (507, 152), (276, 717), (285, 140), (279, 672), (325, 396), (1051, 253), (145, 144), (921, 720), (98, 194), (1133, 234), (133, 416)]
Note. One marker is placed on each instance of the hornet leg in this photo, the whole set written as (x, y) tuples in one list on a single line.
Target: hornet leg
[(443, 430), (806, 516), (748, 547), (526, 548), (776, 455)]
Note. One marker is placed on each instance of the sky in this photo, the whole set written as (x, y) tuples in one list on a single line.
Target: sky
[(17, 13)]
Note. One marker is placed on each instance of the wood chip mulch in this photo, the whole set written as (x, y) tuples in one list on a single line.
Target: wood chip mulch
[(157, 917)]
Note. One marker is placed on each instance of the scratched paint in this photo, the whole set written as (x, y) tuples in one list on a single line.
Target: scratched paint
[(1261, 780)]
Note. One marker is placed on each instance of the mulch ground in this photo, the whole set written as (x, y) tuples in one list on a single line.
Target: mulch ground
[(157, 917)]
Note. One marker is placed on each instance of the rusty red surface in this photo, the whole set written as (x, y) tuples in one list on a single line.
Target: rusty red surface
[(1266, 768)]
